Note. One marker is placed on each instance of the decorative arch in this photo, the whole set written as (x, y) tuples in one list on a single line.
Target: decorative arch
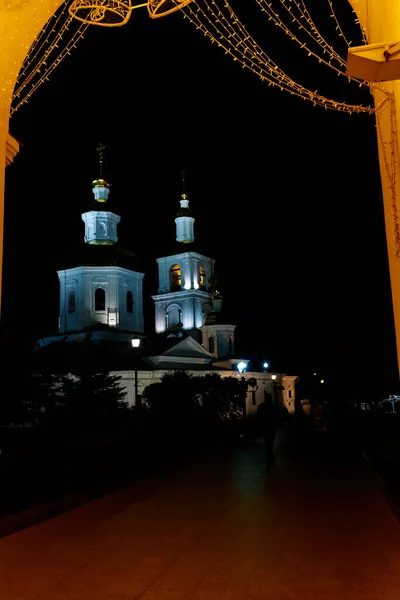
[(207, 313), (173, 317)]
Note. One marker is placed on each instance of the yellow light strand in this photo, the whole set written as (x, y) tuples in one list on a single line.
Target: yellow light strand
[(253, 57), (337, 24), (42, 39), (390, 151), (66, 51), (313, 33), (338, 27), (280, 78), (226, 31)]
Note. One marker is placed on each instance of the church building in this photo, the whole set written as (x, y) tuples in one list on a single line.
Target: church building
[(101, 301)]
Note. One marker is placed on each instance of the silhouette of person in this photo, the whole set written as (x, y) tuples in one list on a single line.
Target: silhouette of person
[(267, 419)]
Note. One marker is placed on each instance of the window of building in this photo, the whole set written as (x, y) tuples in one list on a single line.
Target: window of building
[(211, 345), (230, 348), (129, 302), (253, 397), (202, 277), (99, 299), (71, 301), (176, 278), (290, 393)]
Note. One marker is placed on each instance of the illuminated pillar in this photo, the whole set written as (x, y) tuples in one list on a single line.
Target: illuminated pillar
[(381, 21), (20, 23)]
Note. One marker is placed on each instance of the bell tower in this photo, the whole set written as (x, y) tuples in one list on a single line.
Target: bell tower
[(187, 297)]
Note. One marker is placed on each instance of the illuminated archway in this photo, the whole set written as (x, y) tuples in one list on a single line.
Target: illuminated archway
[(22, 20)]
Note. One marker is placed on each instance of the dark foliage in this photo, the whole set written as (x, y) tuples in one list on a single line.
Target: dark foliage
[(202, 401)]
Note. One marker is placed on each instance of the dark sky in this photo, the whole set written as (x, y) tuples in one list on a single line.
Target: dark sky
[(287, 195)]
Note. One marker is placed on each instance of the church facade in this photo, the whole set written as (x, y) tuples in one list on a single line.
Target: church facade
[(101, 299)]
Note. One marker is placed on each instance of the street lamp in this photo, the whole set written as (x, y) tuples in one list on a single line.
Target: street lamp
[(135, 345)]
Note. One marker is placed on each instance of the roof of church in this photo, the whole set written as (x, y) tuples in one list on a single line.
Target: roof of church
[(100, 255), (74, 355)]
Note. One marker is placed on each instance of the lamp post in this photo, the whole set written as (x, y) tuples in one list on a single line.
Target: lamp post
[(241, 367), (135, 345)]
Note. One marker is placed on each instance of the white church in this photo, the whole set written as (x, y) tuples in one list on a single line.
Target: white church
[(101, 300)]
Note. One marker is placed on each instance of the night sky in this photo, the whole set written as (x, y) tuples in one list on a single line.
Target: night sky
[(287, 196)]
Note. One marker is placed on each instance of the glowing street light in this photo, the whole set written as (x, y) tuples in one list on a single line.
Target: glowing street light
[(135, 345), (242, 366)]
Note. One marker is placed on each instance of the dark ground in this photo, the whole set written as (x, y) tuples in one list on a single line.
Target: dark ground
[(42, 474)]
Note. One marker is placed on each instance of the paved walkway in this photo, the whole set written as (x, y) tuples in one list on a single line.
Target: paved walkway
[(221, 527)]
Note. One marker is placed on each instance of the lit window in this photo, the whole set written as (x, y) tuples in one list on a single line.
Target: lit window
[(202, 277), (71, 302), (99, 299), (176, 278), (129, 302)]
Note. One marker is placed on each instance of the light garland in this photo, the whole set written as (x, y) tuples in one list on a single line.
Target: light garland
[(66, 51), (56, 41), (390, 152), (229, 33), (311, 31), (217, 21), (339, 29)]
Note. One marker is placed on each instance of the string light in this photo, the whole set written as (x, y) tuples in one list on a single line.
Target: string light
[(390, 156), (310, 31), (217, 21), (228, 33), (39, 62)]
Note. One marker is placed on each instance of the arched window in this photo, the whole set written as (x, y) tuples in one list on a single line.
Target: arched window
[(71, 301), (202, 277), (176, 278), (129, 302), (99, 299), (211, 345)]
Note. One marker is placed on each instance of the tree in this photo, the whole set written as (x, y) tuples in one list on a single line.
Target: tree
[(183, 399), (173, 399), (92, 398), (220, 398)]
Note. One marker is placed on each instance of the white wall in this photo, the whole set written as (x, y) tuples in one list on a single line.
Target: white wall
[(265, 383), (116, 282)]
